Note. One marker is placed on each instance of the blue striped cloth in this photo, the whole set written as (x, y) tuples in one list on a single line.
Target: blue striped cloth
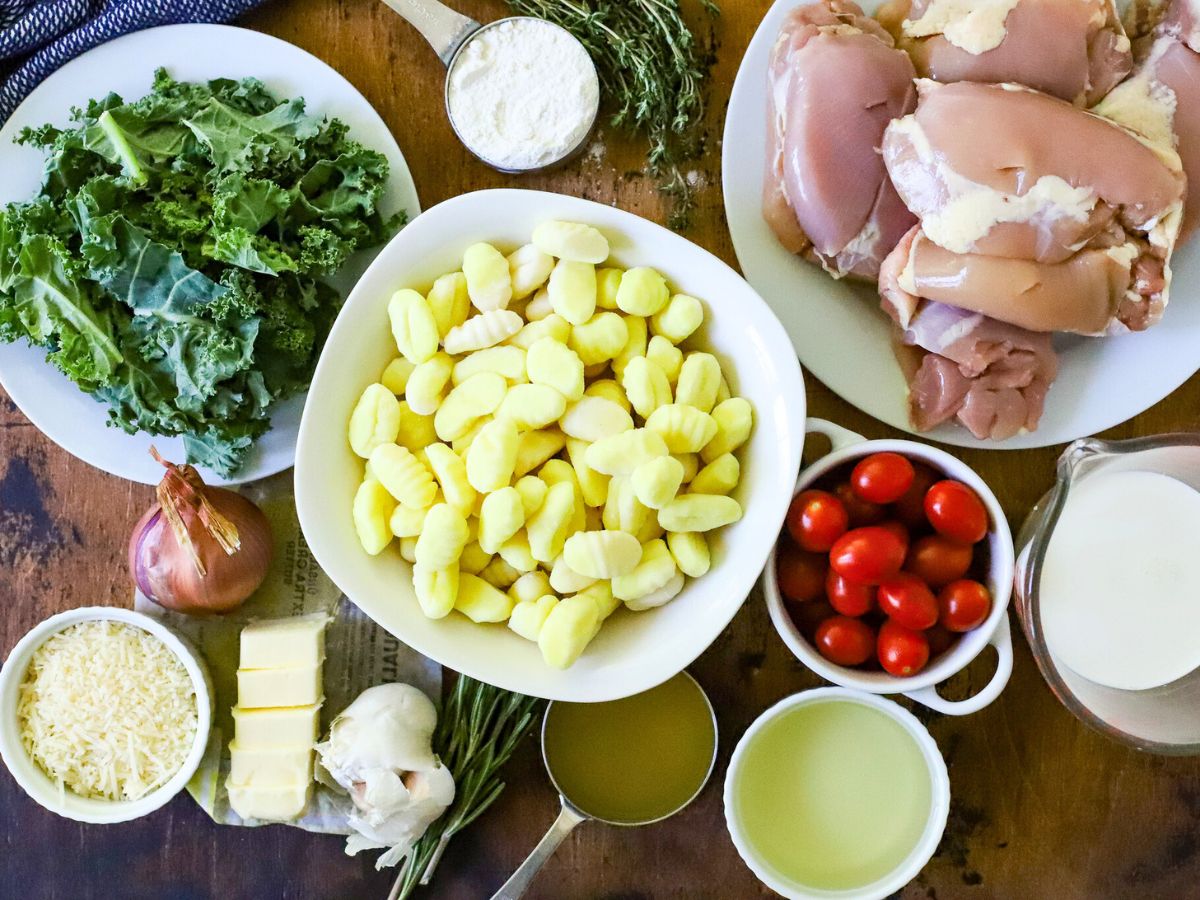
[(38, 36)]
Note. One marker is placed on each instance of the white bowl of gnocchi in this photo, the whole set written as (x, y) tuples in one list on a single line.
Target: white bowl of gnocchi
[(549, 444)]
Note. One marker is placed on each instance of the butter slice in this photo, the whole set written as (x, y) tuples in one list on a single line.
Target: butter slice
[(294, 726), (261, 688), (275, 804), (269, 766), (293, 643)]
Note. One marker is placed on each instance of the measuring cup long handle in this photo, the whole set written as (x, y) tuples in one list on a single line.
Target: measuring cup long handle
[(523, 877), (442, 27)]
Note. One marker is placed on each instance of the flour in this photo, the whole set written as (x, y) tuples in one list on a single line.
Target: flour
[(523, 94)]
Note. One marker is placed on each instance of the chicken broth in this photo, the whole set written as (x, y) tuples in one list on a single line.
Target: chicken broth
[(633, 760)]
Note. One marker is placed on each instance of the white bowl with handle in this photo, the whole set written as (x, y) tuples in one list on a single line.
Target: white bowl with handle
[(633, 651)]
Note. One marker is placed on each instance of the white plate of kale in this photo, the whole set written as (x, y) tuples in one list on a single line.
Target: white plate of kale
[(182, 212)]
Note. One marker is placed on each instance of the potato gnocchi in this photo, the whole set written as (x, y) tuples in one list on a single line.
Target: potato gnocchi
[(545, 464)]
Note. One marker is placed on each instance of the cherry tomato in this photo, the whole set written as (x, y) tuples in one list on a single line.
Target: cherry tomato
[(908, 600), (938, 560), (845, 641), (964, 605), (882, 477), (816, 519), (808, 616), (910, 509), (848, 597), (861, 512), (801, 575), (868, 555), (955, 511), (940, 640), (902, 652)]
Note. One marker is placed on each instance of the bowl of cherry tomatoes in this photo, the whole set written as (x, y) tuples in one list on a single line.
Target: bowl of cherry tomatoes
[(893, 570)]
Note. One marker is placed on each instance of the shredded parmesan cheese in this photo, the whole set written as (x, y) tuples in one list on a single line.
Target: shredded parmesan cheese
[(107, 710)]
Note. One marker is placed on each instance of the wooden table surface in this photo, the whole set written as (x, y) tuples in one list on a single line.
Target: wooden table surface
[(1042, 807)]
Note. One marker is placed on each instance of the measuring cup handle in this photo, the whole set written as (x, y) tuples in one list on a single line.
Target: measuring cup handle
[(1001, 639), (442, 27), (839, 437), (523, 877)]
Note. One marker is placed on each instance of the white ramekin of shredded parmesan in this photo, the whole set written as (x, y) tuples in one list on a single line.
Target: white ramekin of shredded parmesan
[(104, 714)]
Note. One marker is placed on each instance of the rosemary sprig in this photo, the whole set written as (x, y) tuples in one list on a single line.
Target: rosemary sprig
[(652, 73), (478, 730)]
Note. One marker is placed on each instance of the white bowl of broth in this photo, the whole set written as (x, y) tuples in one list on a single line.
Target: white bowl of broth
[(836, 793)]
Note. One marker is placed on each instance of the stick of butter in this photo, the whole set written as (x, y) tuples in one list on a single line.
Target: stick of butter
[(284, 643), (294, 726), (269, 767), (265, 688), (275, 804)]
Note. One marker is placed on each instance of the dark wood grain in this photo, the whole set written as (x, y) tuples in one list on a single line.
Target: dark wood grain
[(1042, 807)]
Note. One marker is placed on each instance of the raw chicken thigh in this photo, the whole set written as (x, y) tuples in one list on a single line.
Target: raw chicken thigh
[(835, 83), (1072, 49)]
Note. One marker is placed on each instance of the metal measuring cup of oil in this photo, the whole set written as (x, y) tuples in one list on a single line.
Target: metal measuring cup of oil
[(626, 762), (478, 56)]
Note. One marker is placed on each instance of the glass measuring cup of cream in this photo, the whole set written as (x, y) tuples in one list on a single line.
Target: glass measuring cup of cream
[(625, 762), (1108, 590)]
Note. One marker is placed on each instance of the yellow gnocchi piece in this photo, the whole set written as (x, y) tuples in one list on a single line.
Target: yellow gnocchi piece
[(533, 493), (482, 331), (609, 390), (602, 554), (372, 512), (552, 326), (427, 384), (547, 528), (601, 594), (532, 406), (416, 431), (507, 362), (608, 280), (566, 580), (623, 511), (374, 421), (448, 301), (517, 554), (535, 448), (719, 477), (451, 474), (655, 568), (488, 282), (467, 403), (413, 326), (664, 594), (699, 381), (539, 307), (690, 463), (642, 292), (461, 444), (655, 483), (474, 560), (407, 521), (499, 574), (592, 485), (395, 376), (553, 363), (568, 629), (723, 393), (666, 355), (529, 616), (436, 589), (572, 288), (403, 474), (735, 420), (685, 429), (530, 586), (646, 385), (493, 455), (620, 454), (593, 418), (572, 241), (408, 549), (501, 516), (690, 551), (480, 601), (682, 315), (600, 338), (556, 471), (528, 269), (699, 512), (636, 340)]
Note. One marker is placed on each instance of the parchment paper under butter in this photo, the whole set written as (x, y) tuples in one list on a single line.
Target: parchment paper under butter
[(358, 655)]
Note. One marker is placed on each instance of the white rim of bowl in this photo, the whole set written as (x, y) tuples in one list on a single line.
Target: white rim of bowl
[(935, 825), (30, 776)]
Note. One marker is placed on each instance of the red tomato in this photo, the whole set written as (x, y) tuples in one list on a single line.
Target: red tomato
[(938, 560), (801, 575), (955, 511), (808, 616), (882, 477), (940, 640), (861, 512), (910, 509), (867, 555), (848, 597), (908, 600), (816, 519), (899, 530), (964, 604), (902, 651), (845, 641)]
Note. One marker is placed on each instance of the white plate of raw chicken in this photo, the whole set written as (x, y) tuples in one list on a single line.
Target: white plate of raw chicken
[(842, 337)]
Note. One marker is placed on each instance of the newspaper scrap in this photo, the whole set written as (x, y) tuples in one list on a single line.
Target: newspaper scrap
[(358, 654)]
